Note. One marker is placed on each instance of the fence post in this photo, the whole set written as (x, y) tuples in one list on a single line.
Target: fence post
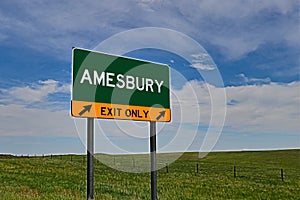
[(197, 168), (133, 162), (281, 172), (167, 168), (234, 171)]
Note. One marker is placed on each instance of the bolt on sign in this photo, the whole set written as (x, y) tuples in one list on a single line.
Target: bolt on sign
[(116, 87)]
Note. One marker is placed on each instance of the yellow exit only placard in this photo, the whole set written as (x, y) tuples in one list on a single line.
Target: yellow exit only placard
[(116, 111)]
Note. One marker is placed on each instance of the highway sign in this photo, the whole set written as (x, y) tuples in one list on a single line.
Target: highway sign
[(115, 87)]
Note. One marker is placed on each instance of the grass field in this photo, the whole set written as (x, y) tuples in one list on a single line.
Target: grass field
[(258, 176)]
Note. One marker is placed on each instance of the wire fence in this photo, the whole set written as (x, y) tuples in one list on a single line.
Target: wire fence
[(139, 164)]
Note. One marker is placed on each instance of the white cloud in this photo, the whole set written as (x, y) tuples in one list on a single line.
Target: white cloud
[(236, 27), (203, 66), (202, 61), (18, 120), (271, 108), (239, 27), (256, 81), (33, 93), (266, 108)]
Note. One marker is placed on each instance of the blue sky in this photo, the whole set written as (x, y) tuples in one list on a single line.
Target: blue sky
[(254, 44)]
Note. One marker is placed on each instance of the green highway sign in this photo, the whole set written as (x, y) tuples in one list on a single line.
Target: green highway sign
[(116, 87)]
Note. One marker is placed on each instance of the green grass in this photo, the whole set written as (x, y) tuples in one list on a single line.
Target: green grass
[(258, 176)]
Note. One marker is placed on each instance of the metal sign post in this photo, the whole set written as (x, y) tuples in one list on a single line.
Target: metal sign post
[(153, 160), (90, 158)]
